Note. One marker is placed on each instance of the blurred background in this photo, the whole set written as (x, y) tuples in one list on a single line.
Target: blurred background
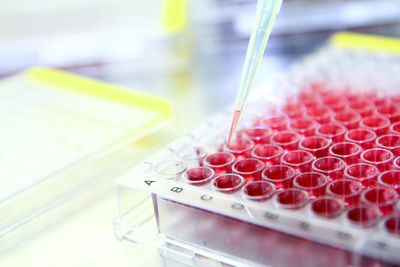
[(189, 51)]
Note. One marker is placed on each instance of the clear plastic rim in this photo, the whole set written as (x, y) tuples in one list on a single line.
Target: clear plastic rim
[(285, 120), (239, 183), (347, 135), (356, 118), (386, 121), (199, 153), (368, 105), (396, 162), (383, 174), (364, 199), (298, 205), (265, 196), (239, 151), (333, 214), (291, 176), (351, 177), (341, 167), (202, 181), (331, 193), (393, 126), (397, 113), (391, 156), (396, 219), (267, 129), (313, 125), (379, 139), (370, 223), (260, 166), (334, 154), (328, 143), (165, 169), (208, 164), (327, 114), (310, 158), (253, 152), (297, 139), (297, 185), (333, 124), (295, 107)]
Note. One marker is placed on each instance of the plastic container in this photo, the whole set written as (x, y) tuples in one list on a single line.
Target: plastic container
[(363, 137), (316, 145), (67, 135), (299, 160), (338, 215), (268, 153), (334, 131)]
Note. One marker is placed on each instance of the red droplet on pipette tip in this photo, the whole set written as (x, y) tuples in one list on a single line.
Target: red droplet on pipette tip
[(235, 121)]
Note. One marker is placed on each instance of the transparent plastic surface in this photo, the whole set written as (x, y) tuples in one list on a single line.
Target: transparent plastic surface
[(63, 133), (318, 183)]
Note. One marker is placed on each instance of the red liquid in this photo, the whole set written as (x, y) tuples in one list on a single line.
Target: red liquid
[(363, 106), (199, 176), (292, 199), (383, 198), (294, 110), (259, 134), (333, 131), (395, 128), (235, 121), (349, 152), (335, 102), (277, 122), (269, 154), (367, 174), (316, 145), (327, 207), (349, 119), (381, 158), (312, 182), (259, 191), (309, 99), (363, 137), (249, 169), (363, 216), (304, 126), (390, 111), (321, 114), (228, 183), (241, 147), (281, 176), (390, 179), (346, 190), (329, 166), (220, 162), (395, 99), (390, 142), (299, 160), (378, 124), (396, 163), (288, 140), (392, 225)]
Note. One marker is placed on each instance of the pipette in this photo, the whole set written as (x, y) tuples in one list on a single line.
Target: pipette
[(266, 13)]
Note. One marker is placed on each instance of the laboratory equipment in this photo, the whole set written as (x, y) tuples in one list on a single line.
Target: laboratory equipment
[(64, 134), (265, 18), (335, 208)]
